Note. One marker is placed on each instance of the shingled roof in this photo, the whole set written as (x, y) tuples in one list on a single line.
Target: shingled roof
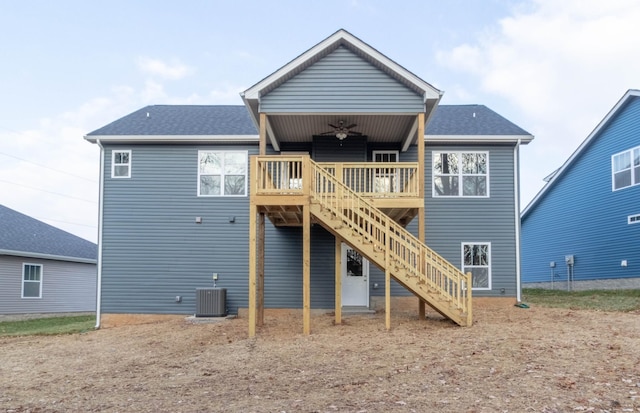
[(21, 235), (229, 120)]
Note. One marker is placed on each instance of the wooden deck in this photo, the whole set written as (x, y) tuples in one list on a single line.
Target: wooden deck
[(349, 200)]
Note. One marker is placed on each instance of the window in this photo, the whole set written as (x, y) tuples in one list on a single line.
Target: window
[(222, 173), (385, 178), (633, 219), (460, 174), (121, 164), (31, 281), (625, 168), (476, 259)]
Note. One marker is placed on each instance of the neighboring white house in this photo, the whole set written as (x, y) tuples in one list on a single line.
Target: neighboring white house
[(44, 269)]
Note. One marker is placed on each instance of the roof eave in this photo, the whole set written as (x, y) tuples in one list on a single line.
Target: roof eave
[(172, 138), (523, 139), (27, 254)]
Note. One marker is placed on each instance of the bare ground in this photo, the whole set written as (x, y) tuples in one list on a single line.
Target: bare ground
[(511, 360)]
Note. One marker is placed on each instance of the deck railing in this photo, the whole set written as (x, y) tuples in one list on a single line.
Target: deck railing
[(283, 175)]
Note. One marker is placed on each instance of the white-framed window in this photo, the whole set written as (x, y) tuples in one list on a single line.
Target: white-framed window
[(625, 169), (385, 179), (222, 173), (476, 259), (31, 280), (121, 164), (633, 219), (460, 174)]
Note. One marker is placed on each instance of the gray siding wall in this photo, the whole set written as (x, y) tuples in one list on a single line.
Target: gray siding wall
[(66, 287), (154, 251), (342, 82), (451, 221)]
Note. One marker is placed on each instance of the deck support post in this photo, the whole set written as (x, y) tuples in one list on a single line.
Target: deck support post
[(306, 268), (260, 270), (338, 269), (387, 277), (421, 212), (252, 270)]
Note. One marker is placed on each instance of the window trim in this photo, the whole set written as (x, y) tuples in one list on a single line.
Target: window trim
[(22, 280), (113, 163), (490, 259), (631, 169), (633, 219), (434, 193), (222, 195)]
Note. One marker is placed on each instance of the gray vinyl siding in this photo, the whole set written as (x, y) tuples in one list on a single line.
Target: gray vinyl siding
[(451, 221), (342, 82), (66, 287), (153, 250)]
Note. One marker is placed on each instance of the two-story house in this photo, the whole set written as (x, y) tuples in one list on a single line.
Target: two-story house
[(582, 230), (341, 182)]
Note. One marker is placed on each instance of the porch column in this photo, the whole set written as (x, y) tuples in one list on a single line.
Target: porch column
[(306, 268), (338, 269), (263, 133), (421, 215), (252, 270)]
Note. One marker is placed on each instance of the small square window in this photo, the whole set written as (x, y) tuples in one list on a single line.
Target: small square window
[(31, 281), (121, 164)]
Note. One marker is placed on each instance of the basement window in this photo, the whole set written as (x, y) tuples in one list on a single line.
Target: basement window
[(476, 259), (633, 219)]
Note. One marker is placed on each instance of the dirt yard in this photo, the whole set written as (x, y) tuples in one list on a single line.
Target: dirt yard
[(511, 360)]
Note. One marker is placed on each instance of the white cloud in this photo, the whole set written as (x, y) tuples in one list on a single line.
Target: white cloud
[(174, 70), (561, 65)]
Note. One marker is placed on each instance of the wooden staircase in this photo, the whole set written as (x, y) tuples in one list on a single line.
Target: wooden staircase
[(388, 245)]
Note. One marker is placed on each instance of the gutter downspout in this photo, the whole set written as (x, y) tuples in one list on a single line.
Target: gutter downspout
[(100, 206), (516, 187)]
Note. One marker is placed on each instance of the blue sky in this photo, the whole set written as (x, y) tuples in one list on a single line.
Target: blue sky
[(555, 68)]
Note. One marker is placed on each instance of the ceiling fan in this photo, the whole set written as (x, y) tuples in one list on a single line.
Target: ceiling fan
[(341, 131)]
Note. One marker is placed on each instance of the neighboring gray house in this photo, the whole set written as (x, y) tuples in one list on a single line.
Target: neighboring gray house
[(44, 269), (353, 164)]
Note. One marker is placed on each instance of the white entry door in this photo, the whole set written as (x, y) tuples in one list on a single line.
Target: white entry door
[(355, 278)]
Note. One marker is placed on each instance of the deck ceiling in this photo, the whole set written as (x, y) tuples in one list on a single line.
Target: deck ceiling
[(377, 128)]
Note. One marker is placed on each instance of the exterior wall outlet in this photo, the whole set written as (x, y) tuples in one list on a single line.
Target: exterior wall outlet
[(198, 220), (623, 263), (215, 276), (178, 299)]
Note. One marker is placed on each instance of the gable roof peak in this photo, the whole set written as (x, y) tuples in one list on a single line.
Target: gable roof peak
[(340, 38)]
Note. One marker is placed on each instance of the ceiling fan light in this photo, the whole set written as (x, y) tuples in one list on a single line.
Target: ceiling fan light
[(341, 135)]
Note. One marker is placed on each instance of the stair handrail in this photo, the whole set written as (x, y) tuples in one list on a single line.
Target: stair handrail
[(361, 216)]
